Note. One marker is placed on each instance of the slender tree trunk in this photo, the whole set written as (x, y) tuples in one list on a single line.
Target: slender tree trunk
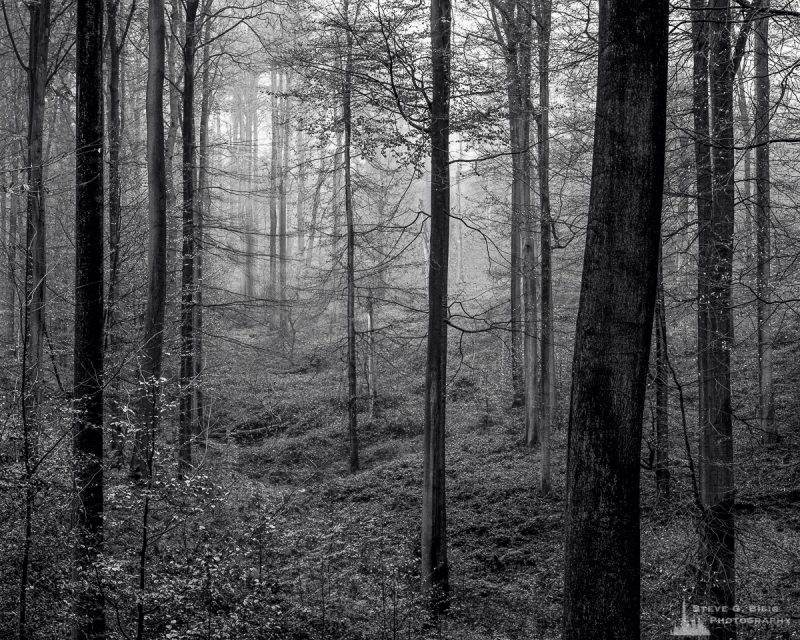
[(273, 185), (662, 392), (173, 91), (185, 427), (533, 434), (89, 617), (114, 209), (150, 360), (372, 367), (283, 228), (435, 571), (458, 223), (201, 210), (352, 396), (715, 332), (745, 125), (548, 372), (35, 272), (11, 300), (301, 193), (763, 229), (615, 321)]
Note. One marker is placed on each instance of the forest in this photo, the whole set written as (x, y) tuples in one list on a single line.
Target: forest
[(399, 319)]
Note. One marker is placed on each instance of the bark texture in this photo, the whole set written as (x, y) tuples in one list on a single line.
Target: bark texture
[(615, 318)]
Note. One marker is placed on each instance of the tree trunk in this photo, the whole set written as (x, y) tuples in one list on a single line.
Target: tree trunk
[(715, 331), (763, 229), (372, 367), (662, 392), (89, 617), (173, 92), (615, 321), (745, 125), (352, 387), (548, 371), (273, 186), (114, 208), (301, 193), (435, 569), (35, 272), (11, 300), (150, 361), (283, 229), (185, 427), (201, 209)]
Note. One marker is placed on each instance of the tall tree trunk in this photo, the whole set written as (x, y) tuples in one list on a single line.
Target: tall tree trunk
[(153, 342), (548, 371), (352, 395), (745, 125), (35, 272), (533, 434), (114, 206), (201, 210), (283, 229), (372, 366), (173, 91), (763, 224), (89, 617), (273, 184), (662, 391), (435, 570), (185, 427), (516, 18), (615, 321), (301, 193), (11, 299), (715, 331)]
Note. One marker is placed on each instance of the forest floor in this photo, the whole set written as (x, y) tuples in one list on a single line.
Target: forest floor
[(340, 551)]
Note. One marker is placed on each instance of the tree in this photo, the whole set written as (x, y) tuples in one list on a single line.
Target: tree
[(152, 348), (715, 321), (547, 377), (435, 569), (763, 224), (352, 395), (513, 31), (615, 319), (89, 623), (185, 427)]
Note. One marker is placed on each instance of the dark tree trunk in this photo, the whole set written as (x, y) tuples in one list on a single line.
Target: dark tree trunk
[(185, 427), (435, 569), (11, 244), (114, 205), (301, 193), (763, 224), (352, 386), (715, 332), (615, 321), (35, 272), (548, 370), (283, 228), (153, 337), (89, 621), (201, 209)]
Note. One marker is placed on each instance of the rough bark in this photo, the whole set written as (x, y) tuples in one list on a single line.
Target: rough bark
[(435, 568), (153, 335), (283, 228), (715, 330), (188, 287), (615, 319), (89, 617), (763, 229)]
